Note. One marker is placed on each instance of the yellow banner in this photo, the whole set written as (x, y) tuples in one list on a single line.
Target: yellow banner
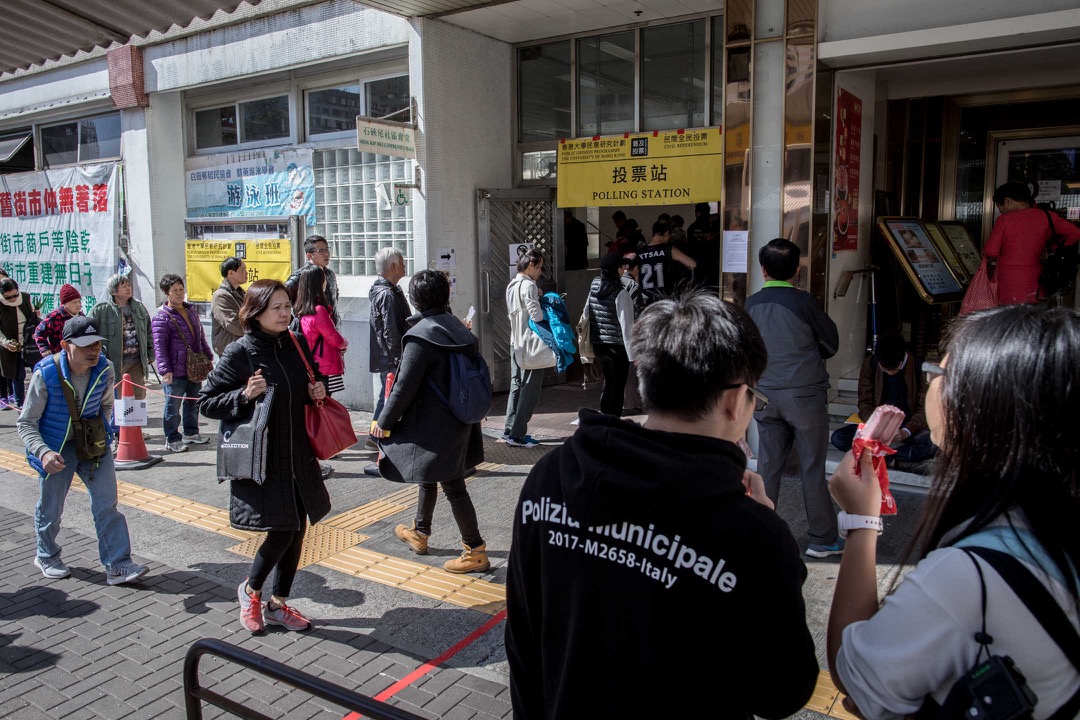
[(264, 259), (657, 168)]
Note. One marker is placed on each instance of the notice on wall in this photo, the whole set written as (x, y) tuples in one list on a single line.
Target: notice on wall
[(736, 243), (1049, 192), (385, 137), (446, 259), (846, 182), (516, 251), (264, 259), (657, 168), (254, 183), (59, 227)]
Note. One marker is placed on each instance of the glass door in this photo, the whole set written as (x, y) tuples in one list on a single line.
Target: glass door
[(1050, 166)]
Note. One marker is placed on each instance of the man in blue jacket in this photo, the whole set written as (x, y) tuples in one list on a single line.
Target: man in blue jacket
[(46, 429), (799, 338)]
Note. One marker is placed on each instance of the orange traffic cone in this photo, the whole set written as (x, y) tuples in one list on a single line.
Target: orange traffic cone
[(132, 453)]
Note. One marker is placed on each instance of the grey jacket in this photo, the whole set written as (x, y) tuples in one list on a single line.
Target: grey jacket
[(389, 321), (225, 316), (799, 338)]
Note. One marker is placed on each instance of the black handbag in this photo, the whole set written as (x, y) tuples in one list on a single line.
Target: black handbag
[(31, 354), (242, 443), (1060, 264)]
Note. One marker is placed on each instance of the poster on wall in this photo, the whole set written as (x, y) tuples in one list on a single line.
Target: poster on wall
[(255, 183), (846, 180), (659, 168), (516, 251), (929, 273), (271, 258), (59, 227)]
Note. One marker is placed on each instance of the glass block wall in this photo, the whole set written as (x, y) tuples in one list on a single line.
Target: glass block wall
[(354, 217)]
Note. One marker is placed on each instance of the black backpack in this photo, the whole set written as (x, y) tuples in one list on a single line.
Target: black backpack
[(1060, 264)]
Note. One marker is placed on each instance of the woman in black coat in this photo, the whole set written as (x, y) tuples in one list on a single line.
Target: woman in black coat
[(16, 315), (421, 440), (293, 487)]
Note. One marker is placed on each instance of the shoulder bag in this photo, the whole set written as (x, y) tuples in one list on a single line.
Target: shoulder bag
[(1061, 262), (242, 443), (90, 436), (199, 364), (328, 424), (584, 331), (982, 292)]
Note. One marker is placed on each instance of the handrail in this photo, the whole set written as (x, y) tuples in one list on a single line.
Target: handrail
[(194, 694)]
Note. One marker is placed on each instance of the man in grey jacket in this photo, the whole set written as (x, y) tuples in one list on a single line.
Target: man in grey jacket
[(225, 304), (389, 315), (799, 338)]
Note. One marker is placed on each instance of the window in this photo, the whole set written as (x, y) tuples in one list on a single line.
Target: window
[(83, 140), (333, 110), (544, 92), (673, 76), (385, 97), (354, 210), (606, 84), (252, 122)]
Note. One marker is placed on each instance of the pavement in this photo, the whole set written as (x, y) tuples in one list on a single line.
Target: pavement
[(388, 623)]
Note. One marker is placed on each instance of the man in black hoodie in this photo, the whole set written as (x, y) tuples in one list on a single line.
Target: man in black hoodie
[(649, 575)]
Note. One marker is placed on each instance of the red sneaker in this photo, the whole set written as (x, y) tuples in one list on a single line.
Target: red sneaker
[(287, 617), (251, 616)]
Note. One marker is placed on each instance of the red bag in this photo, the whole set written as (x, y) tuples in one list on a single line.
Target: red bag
[(982, 293), (328, 424)]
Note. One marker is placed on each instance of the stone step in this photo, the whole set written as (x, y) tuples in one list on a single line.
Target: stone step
[(900, 479)]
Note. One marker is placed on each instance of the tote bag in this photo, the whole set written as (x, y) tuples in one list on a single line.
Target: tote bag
[(982, 293), (328, 424), (242, 443)]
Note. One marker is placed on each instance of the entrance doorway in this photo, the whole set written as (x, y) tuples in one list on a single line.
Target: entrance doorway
[(1050, 165)]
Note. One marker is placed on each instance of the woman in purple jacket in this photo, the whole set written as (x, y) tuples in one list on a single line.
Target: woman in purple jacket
[(177, 330)]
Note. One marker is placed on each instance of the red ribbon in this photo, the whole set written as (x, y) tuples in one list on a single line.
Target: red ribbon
[(879, 451)]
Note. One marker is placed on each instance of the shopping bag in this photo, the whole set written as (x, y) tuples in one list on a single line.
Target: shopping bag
[(982, 293)]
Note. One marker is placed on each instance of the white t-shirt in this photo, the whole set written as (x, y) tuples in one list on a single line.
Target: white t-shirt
[(922, 641)]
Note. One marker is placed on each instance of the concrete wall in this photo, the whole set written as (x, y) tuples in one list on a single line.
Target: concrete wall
[(61, 91), (849, 312)]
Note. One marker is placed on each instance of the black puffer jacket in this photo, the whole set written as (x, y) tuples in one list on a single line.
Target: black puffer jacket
[(603, 316), (428, 443), (290, 461)]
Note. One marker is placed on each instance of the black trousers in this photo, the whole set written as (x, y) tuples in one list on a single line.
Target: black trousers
[(281, 550), (460, 505), (616, 366)]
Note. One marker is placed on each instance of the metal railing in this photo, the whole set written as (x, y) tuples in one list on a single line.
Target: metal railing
[(195, 694)]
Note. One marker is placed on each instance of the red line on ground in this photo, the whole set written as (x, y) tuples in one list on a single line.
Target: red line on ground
[(432, 664)]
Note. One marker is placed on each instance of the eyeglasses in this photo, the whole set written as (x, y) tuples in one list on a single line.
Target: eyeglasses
[(323, 251), (761, 401), (931, 371)]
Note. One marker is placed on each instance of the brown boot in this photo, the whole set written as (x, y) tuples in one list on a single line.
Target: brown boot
[(471, 560), (413, 538)]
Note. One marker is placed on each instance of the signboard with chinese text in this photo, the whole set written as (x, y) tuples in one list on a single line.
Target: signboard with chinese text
[(385, 137), (264, 259), (59, 227), (255, 183), (961, 242), (657, 168), (846, 182), (929, 273)]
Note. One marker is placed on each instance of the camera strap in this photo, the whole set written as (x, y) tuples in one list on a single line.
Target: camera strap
[(1043, 607)]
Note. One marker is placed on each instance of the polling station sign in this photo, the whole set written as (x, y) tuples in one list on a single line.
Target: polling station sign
[(657, 168), (270, 258), (59, 227), (385, 137)]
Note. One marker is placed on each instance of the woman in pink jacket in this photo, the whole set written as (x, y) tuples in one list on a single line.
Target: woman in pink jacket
[(317, 323)]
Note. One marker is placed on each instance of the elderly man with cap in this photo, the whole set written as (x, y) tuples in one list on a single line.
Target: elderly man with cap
[(64, 426)]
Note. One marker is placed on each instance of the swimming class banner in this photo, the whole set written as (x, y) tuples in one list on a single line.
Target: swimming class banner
[(672, 167), (255, 183)]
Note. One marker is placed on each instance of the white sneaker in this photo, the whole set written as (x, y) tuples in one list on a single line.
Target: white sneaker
[(52, 569), (175, 446), (195, 439), (125, 573)]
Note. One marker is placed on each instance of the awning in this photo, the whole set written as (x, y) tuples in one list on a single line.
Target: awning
[(421, 8), (34, 31), (11, 145)]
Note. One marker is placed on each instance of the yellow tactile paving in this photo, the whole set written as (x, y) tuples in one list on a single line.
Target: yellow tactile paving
[(320, 542), (824, 696), (16, 463)]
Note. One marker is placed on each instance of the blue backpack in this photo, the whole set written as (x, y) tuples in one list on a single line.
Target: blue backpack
[(470, 388)]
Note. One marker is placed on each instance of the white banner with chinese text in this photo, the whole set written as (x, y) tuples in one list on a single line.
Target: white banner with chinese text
[(57, 227)]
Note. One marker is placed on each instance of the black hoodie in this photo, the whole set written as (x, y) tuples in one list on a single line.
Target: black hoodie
[(644, 583)]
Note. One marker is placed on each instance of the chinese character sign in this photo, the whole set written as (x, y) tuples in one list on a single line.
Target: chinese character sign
[(657, 168), (384, 137), (57, 227), (846, 183), (264, 259), (258, 183)]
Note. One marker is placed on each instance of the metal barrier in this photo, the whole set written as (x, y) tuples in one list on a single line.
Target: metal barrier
[(194, 694)]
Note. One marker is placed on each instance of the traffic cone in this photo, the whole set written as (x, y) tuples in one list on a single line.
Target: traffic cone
[(132, 453)]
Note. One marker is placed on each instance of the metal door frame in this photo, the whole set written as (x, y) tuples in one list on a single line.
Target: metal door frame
[(491, 280)]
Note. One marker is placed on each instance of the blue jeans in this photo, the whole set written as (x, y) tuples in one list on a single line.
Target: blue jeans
[(175, 408), (114, 544), (915, 449)]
